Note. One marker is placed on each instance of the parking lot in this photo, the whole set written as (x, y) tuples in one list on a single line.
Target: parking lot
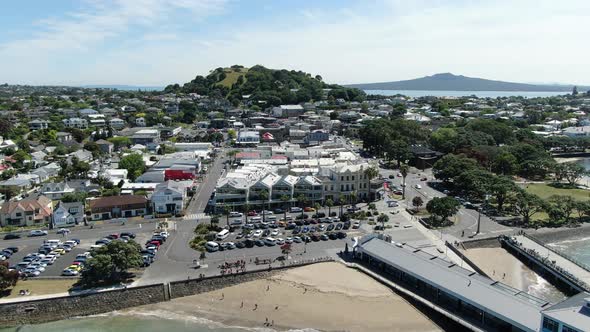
[(30, 245)]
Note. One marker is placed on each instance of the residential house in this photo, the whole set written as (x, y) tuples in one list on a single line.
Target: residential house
[(7, 143), (14, 186), (56, 191), (105, 146), (27, 212), (287, 111), (64, 137), (38, 124), (78, 123), (67, 214), (148, 137), (117, 123), (248, 137), (140, 122), (118, 206)]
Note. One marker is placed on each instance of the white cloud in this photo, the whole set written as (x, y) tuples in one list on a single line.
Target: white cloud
[(380, 41)]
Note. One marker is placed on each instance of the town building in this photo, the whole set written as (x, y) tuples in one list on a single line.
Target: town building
[(26, 212), (67, 214), (118, 206)]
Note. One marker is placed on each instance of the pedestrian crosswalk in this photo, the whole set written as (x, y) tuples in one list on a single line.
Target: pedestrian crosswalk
[(194, 216)]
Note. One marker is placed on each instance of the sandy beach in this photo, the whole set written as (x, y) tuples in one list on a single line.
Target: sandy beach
[(327, 297), (502, 266)]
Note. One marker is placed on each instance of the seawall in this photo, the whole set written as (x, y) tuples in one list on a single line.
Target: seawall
[(47, 309)]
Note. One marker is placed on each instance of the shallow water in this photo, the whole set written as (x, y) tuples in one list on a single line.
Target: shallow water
[(140, 321)]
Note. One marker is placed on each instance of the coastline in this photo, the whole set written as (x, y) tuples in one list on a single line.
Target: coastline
[(326, 297)]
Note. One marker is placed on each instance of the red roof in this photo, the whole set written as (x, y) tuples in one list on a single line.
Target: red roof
[(248, 155), (278, 157)]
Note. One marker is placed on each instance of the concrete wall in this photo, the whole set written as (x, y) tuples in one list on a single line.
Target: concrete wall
[(13, 313), (51, 309)]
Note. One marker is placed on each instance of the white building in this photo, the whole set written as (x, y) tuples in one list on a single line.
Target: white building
[(248, 137), (169, 197), (78, 123)]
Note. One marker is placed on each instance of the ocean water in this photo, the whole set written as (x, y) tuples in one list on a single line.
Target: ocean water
[(481, 94), (585, 162), (578, 248), (140, 321)]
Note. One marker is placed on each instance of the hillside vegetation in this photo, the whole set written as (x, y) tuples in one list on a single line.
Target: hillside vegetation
[(271, 86)]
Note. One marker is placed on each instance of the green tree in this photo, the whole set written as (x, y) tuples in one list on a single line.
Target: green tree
[(444, 140), (526, 205), (417, 202), (560, 208), (134, 165), (383, 218), (404, 169), (301, 199), (110, 263), (214, 221), (570, 171), (505, 163), (264, 198), (370, 173), (285, 199), (501, 187), (451, 166), (7, 278), (442, 207), (120, 142), (329, 204)]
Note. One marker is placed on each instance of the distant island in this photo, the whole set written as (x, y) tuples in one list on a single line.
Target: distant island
[(451, 82), (123, 87)]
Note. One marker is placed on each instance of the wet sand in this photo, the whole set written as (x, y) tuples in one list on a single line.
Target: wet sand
[(327, 297), (502, 266)]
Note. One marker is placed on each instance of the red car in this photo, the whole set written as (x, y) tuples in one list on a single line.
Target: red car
[(252, 214), (308, 209), (155, 242)]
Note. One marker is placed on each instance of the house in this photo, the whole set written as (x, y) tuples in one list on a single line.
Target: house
[(287, 111), (140, 122), (117, 123), (66, 214), (64, 137), (105, 146), (170, 196), (78, 123), (82, 155), (38, 124), (7, 143), (248, 137), (27, 212), (87, 111), (316, 137), (56, 191), (572, 314), (118, 206), (148, 137)]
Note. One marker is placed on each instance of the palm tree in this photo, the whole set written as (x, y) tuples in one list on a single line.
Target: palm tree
[(329, 204), (341, 201), (264, 198), (403, 169), (383, 218), (246, 209), (285, 199), (226, 211), (317, 208), (371, 173), (301, 199), (353, 198)]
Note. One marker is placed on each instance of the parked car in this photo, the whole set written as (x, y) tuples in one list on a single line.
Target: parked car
[(417, 186), (37, 232), (69, 272), (128, 234), (308, 209), (295, 209), (324, 237), (63, 231)]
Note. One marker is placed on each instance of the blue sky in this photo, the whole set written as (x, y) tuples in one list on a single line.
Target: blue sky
[(157, 42)]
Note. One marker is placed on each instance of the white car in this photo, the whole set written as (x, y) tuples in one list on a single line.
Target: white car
[(47, 261), (37, 233), (289, 240), (274, 233), (235, 214), (417, 186), (280, 241), (258, 233), (267, 212), (37, 266), (31, 272), (297, 239), (68, 272), (164, 234), (71, 243), (51, 257)]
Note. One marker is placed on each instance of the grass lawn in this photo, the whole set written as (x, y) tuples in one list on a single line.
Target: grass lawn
[(232, 76), (545, 191), (42, 287)]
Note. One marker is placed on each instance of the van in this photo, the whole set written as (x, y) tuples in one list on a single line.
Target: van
[(211, 246), (269, 241), (223, 234), (256, 219), (271, 218), (235, 222), (53, 242)]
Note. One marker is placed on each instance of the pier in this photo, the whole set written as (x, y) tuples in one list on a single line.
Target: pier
[(561, 270)]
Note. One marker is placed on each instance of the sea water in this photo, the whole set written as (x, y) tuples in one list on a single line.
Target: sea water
[(140, 321)]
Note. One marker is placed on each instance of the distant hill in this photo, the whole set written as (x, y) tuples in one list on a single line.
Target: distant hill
[(272, 86), (450, 82)]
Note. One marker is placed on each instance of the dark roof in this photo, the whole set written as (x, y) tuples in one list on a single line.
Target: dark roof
[(113, 201)]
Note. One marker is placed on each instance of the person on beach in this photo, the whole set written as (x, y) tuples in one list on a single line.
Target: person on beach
[(273, 323), (277, 308), (242, 305), (255, 306), (222, 296), (267, 288)]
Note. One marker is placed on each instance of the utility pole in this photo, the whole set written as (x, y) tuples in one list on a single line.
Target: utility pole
[(478, 219)]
